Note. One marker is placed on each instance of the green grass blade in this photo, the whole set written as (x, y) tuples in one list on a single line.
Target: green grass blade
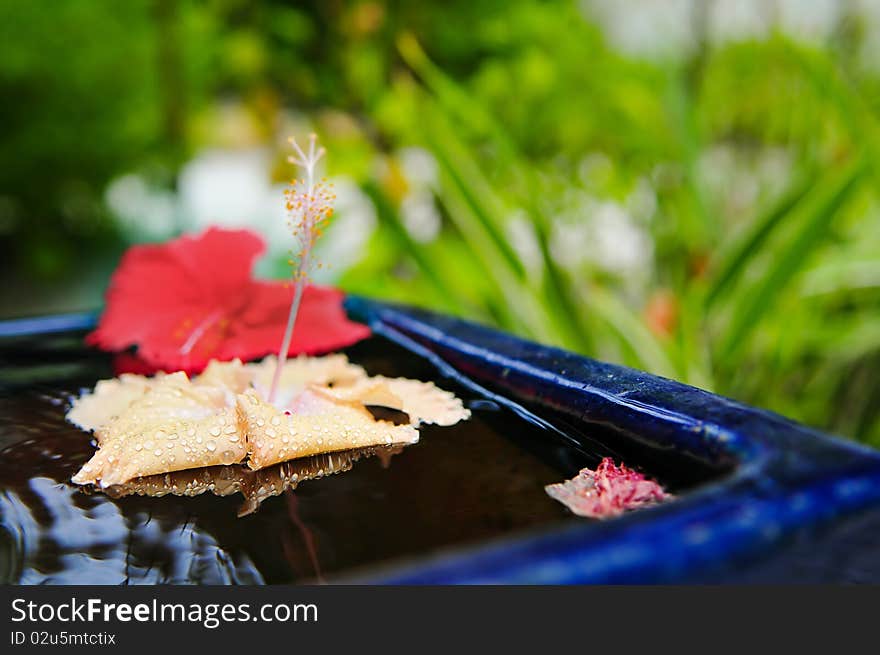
[(842, 276), (633, 333), (464, 172), (737, 258), (405, 244), (815, 219), (469, 112), (522, 308)]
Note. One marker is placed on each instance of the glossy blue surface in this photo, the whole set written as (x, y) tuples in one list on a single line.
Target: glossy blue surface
[(796, 505), (789, 504), (19, 327)]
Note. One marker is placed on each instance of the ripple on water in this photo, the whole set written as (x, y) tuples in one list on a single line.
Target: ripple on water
[(458, 486)]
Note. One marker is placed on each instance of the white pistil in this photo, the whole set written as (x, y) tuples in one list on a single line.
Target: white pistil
[(309, 208)]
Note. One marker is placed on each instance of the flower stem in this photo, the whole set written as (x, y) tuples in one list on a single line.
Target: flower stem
[(291, 321)]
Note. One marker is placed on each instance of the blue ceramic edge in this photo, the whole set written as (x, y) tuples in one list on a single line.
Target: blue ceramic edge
[(24, 327), (797, 506)]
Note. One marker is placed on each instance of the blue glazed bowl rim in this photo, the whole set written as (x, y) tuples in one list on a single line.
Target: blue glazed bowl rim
[(788, 483)]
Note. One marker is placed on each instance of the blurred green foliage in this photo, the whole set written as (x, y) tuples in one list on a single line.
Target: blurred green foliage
[(711, 217)]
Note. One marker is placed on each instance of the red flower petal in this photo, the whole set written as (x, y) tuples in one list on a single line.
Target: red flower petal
[(607, 491), (193, 299), (321, 325), (129, 362)]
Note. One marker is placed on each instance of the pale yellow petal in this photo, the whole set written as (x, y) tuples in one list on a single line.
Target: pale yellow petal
[(150, 426), (427, 403), (232, 376), (135, 447), (367, 392), (173, 396), (326, 426), (423, 402), (300, 372), (108, 400)]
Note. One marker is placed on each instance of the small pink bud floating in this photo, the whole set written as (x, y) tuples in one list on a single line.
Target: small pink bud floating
[(608, 491)]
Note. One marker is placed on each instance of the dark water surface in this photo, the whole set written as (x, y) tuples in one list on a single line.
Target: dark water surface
[(460, 485)]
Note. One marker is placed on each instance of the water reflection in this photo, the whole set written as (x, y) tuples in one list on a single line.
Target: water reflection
[(459, 485), (57, 535), (54, 532), (255, 486)]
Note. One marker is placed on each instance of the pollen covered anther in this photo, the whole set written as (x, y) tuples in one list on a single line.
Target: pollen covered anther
[(309, 205)]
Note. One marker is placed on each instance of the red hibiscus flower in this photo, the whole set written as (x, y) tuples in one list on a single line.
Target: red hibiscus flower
[(193, 299)]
